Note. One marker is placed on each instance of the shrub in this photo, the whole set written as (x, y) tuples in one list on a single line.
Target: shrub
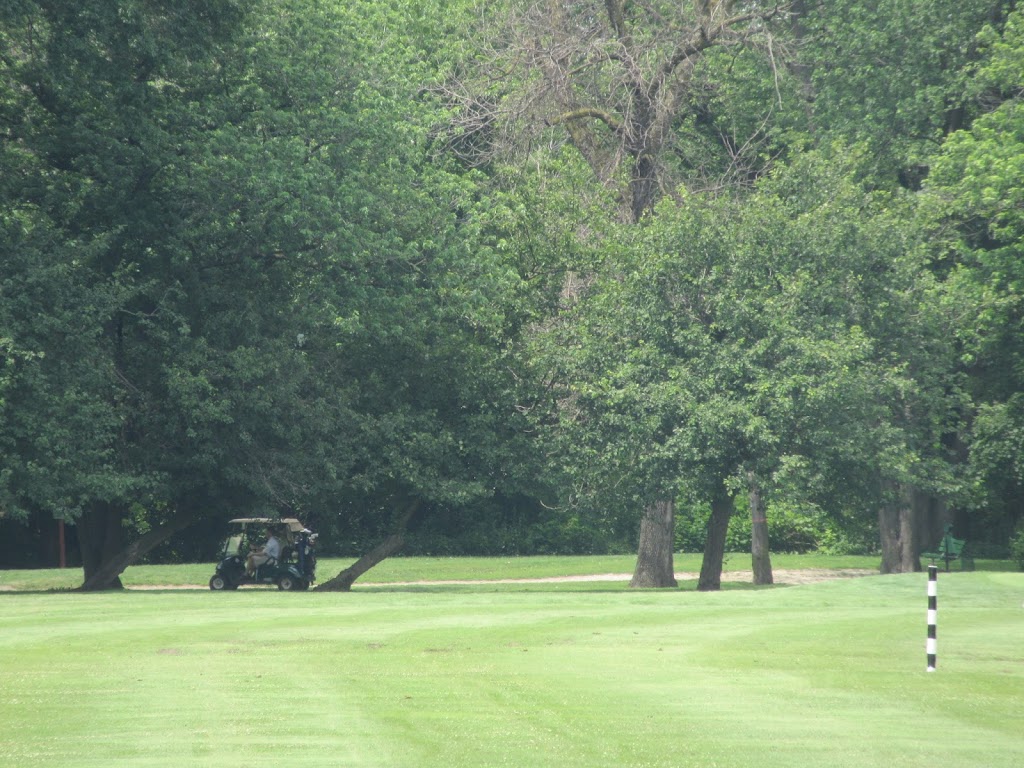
[(790, 530)]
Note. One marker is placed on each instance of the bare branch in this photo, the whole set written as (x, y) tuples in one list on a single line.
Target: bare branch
[(616, 77), (588, 112)]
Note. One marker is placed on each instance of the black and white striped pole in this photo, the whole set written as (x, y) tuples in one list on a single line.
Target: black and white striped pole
[(933, 608)]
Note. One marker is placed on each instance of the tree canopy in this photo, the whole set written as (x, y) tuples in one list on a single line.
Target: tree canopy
[(378, 264)]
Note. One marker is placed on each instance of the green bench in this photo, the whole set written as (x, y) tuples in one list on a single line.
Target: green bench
[(951, 549)]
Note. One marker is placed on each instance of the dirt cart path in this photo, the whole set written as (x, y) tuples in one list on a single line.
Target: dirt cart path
[(802, 576)]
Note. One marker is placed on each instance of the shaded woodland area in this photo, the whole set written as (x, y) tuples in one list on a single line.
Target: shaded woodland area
[(511, 277)]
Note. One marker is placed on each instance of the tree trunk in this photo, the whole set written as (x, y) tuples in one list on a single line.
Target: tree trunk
[(643, 185), (933, 515), (760, 556), (107, 574), (714, 544), (100, 539), (343, 581), (897, 528), (802, 71), (654, 565)]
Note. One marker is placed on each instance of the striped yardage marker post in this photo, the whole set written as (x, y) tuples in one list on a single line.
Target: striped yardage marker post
[(933, 609)]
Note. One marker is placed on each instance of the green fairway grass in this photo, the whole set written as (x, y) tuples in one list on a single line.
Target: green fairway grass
[(829, 674)]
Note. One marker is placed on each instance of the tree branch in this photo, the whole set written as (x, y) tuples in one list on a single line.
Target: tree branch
[(588, 112), (106, 576), (343, 581), (705, 38), (617, 20)]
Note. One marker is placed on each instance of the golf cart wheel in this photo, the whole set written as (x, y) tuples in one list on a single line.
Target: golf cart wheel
[(289, 583), (218, 583)]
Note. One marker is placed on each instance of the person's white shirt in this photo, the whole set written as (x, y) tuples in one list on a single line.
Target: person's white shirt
[(272, 549)]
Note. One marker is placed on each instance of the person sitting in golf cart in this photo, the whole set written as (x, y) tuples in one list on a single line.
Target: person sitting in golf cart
[(270, 551)]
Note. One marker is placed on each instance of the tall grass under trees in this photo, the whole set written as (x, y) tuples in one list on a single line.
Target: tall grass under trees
[(572, 674)]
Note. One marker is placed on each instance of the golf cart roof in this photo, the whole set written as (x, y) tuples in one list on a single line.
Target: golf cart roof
[(293, 525)]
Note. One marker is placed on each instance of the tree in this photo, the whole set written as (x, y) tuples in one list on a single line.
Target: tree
[(973, 200), (271, 293), (620, 81), (91, 101), (910, 409), (634, 89), (752, 343)]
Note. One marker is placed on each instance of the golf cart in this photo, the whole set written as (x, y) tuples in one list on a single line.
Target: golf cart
[(294, 569)]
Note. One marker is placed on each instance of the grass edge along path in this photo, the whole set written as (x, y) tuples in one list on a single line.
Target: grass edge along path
[(413, 569), (830, 674)]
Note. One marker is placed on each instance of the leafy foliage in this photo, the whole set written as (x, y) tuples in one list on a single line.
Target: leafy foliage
[(895, 75), (733, 336), (285, 300), (336, 260), (974, 198)]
